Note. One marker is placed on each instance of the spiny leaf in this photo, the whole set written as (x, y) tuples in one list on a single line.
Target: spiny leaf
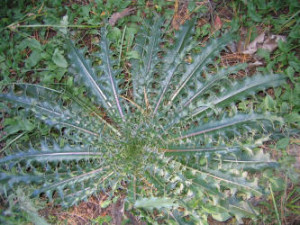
[(174, 58), (200, 61), (86, 72), (195, 153), (50, 114), (214, 80), (109, 71), (222, 124), (144, 69), (243, 89), (55, 154)]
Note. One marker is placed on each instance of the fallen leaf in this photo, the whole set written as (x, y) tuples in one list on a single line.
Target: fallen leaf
[(217, 23), (263, 41), (255, 64), (181, 13), (253, 46), (271, 43), (118, 15)]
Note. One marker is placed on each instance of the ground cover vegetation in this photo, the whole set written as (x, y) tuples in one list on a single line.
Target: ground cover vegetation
[(166, 112)]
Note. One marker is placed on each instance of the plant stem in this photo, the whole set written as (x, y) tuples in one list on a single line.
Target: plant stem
[(121, 45), (274, 203), (53, 25)]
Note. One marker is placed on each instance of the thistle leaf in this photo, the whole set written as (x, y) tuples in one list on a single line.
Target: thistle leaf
[(174, 58), (87, 74), (200, 61), (243, 89), (143, 69), (223, 124), (177, 134), (52, 114), (109, 71)]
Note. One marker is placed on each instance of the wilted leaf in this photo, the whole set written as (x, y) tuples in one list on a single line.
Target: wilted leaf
[(64, 22), (118, 15), (263, 41), (218, 23), (181, 14)]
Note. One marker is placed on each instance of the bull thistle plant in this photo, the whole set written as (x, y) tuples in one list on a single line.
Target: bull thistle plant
[(171, 134)]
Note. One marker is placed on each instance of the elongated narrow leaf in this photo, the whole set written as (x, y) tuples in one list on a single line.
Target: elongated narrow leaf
[(87, 74), (49, 154), (144, 68), (51, 114), (214, 80), (200, 61), (181, 150), (241, 90), (174, 58), (224, 123), (109, 71), (71, 180), (228, 179)]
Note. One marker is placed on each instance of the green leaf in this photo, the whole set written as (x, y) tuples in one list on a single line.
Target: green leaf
[(223, 124), (14, 125), (200, 62), (269, 103), (110, 73), (240, 90), (87, 74), (293, 117), (132, 55), (34, 58), (222, 217), (59, 59), (105, 204), (153, 202), (32, 43), (114, 34), (283, 143)]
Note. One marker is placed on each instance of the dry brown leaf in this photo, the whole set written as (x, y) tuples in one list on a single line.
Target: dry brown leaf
[(118, 15), (263, 41), (181, 13), (217, 23), (294, 150)]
